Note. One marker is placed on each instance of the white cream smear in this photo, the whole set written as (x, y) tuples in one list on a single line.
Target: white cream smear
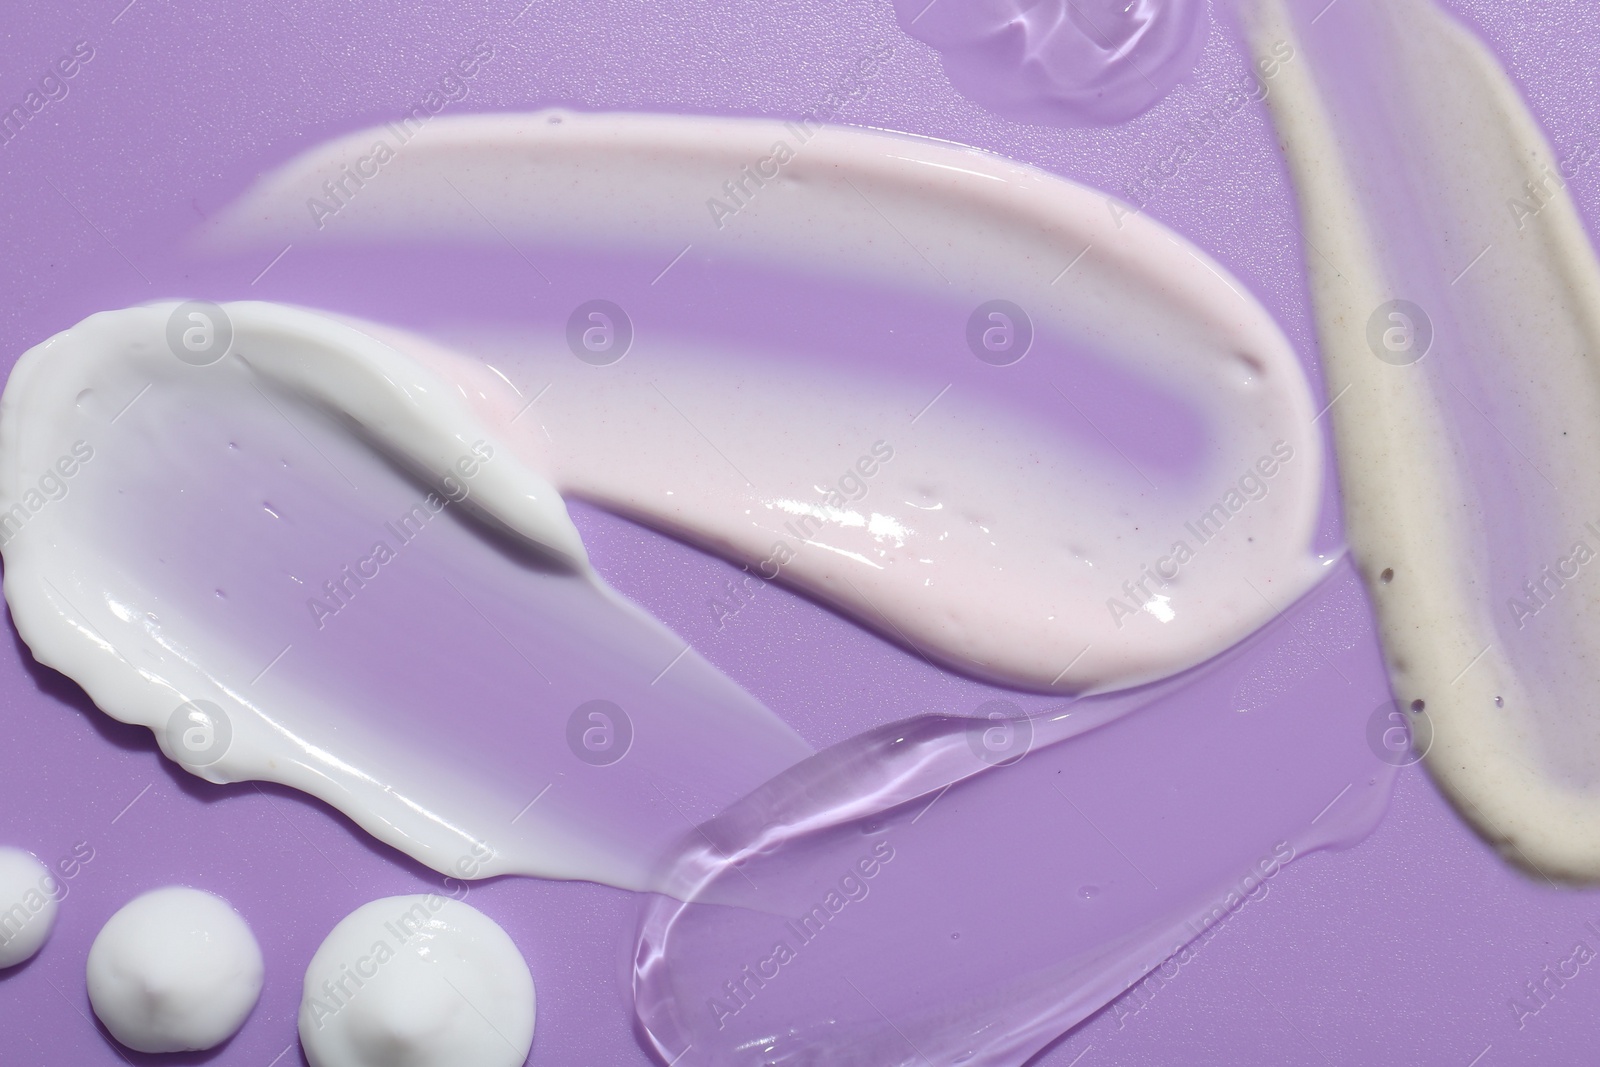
[(1471, 490), (176, 524), (174, 970), (176, 570)]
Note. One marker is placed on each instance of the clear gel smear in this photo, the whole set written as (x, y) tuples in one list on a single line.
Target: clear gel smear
[(921, 895)]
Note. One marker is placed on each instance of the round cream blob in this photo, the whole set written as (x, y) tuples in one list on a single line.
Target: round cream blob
[(421, 980), (175, 970), (27, 905)]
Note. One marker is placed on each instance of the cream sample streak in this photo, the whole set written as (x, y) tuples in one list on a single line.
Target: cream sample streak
[(1458, 302), (988, 542)]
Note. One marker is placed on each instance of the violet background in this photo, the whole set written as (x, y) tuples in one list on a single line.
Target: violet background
[(1405, 949)]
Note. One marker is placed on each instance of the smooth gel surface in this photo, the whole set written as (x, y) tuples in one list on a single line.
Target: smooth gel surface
[(928, 892)]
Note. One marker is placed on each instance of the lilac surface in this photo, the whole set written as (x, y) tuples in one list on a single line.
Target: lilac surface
[(1404, 949)]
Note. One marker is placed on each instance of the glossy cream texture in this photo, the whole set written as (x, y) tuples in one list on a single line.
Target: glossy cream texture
[(174, 970), (1029, 547), (420, 980), (1471, 492), (1062, 62), (308, 563), (28, 905)]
